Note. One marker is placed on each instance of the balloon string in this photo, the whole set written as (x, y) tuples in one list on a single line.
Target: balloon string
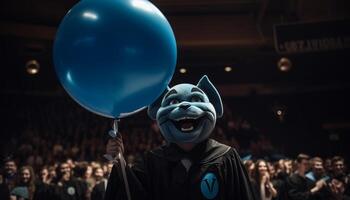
[(115, 125), (122, 161), (126, 183), (113, 133)]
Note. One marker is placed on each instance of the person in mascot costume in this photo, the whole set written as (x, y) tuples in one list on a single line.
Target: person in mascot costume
[(190, 165)]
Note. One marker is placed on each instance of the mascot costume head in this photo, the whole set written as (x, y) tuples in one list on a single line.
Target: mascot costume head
[(187, 113)]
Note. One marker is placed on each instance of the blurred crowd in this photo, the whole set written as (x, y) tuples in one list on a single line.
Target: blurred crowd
[(46, 132), (61, 181), (298, 179), (286, 179), (56, 152)]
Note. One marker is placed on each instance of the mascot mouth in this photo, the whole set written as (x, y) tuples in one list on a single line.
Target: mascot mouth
[(187, 125)]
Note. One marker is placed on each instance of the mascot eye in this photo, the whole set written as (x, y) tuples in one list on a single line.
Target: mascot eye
[(196, 99), (174, 101)]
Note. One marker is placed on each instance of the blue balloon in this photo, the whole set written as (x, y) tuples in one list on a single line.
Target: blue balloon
[(114, 56)]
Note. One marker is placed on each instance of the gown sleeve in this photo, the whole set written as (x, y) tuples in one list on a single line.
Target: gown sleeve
[(294, 192), (137, 180), (238, 185)]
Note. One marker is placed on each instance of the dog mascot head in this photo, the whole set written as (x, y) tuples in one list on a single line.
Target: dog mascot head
[(187, 113)]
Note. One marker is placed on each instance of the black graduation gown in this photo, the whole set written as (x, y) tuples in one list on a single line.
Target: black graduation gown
[(299, 189), (4, 192), (280, 186), (43, 191), (73, 189), (98, 191), (216, 173)]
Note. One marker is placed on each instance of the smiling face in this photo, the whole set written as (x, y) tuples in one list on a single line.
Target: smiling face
[(98, 174), (25, 176), (10, 168), (262, 168), (338, 167), (186, 115), (317, 168)]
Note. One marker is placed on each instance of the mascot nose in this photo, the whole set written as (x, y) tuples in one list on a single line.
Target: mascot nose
[(184, 105)]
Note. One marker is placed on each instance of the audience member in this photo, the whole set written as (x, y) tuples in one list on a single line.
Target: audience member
[(25, 184), (67, 187), (262, 185), (99, 189), (8, 178), (298, 186)]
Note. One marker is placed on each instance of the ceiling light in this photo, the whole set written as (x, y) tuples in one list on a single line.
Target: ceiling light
[(183, 70), (284, 64), (279, 112), (228, 69), (32, 67)]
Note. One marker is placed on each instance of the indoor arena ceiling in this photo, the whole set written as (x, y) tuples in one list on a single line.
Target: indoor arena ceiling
[(211, 34)]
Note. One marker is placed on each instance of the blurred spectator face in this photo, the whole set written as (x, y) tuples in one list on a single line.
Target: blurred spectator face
[(338, 167), (52, 173), (95, 165), (10, 168), (88, 172), (328, 165), (65, 171), (25, 176), (250, 166), (288, 166), (70, 163), (98, 174), (303, 166), (64, 168), (109, 167), (105, 168), (280, 166), (44, 174), (271, 169), (337, 186), (317, 168), (262, 168)]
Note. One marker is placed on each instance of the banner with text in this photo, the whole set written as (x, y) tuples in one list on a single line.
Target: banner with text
[(312, 36)]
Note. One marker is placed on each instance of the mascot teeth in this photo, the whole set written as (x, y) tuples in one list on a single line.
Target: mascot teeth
[(186, 129), (186, 125)]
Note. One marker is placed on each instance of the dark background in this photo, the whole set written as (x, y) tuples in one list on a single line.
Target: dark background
[(211, 35)]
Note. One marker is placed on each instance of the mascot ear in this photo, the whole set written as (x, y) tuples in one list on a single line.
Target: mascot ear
[(213, 95), (154, 107)]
